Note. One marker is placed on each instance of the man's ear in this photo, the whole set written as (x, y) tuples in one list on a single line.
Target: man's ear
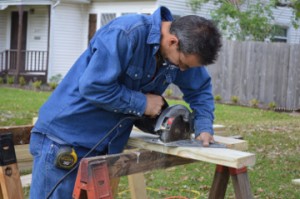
[(173, 40)]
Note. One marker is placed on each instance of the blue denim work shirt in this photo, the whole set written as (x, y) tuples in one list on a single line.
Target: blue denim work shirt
[(108, 82)]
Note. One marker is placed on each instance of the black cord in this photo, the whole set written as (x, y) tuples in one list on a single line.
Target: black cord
[(87, 154)]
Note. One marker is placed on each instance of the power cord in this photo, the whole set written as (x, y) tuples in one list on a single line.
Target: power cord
[(87, 154)]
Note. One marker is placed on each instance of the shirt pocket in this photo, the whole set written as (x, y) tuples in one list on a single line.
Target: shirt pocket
[(134, 77)]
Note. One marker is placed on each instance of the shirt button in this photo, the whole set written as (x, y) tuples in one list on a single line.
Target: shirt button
[(135, 75), (129, 111), (120, 125), (139, 113), (134, 112), (148, 76), (115, 111)]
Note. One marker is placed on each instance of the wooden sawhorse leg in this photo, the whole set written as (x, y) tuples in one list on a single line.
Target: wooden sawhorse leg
[(240, 182)]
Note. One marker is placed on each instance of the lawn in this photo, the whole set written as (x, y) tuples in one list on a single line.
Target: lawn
[(273, 137)]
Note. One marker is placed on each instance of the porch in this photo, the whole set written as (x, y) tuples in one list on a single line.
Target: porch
[(31, 64)]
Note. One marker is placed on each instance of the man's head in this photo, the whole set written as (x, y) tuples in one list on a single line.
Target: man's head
[(190, 41)]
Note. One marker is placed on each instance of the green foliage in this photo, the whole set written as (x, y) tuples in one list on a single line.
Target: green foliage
[(19, 106), (37, 84), (272, 105), (218, 98), (1, 80), (10, 79), (22, 81), (242, 20), (254, 103), (235, 99), (54, 81)]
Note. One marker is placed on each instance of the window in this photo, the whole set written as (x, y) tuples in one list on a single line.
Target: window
[(107, 17), (279, 34)]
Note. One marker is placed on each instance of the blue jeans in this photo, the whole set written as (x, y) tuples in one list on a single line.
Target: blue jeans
[(45, 174)]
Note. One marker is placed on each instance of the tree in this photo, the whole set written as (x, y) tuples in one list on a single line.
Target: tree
[(245, 19)]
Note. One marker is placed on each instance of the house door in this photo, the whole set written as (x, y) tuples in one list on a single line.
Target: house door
[(14, 40), (92, 26)]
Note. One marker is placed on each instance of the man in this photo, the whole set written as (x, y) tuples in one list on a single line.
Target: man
[(123, 73)]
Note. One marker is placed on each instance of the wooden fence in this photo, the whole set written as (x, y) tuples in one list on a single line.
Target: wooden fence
[(267, 72)]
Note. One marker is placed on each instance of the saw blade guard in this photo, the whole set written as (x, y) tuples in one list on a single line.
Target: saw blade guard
[(172, 112)]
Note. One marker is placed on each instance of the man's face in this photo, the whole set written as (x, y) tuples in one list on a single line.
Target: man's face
[(177, 58)]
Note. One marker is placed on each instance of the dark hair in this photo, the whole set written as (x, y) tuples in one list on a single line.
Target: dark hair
[(197, 35)]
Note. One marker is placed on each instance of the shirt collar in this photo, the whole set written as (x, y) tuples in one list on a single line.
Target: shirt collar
[(159, 15)]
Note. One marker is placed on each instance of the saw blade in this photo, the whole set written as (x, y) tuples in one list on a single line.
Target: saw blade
[(179, 130)]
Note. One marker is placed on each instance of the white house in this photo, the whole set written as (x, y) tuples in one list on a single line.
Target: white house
[(55, 32)]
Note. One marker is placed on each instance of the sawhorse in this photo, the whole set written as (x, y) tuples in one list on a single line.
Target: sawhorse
[(10, 183), (94, 174)]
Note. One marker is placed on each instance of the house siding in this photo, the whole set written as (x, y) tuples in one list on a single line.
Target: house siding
[(37, 30), (182, 8), (3, 31), (68, 37), (122, 7)]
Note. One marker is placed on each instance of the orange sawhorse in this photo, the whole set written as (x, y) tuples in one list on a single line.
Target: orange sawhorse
[(92, 181), (93, 178)]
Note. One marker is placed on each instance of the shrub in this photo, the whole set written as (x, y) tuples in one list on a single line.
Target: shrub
[(254, 103), (54, 80), (1, 80), (37, 84), (22, 81), (272, 105), (218, 98), (10, 79), (234, 99)]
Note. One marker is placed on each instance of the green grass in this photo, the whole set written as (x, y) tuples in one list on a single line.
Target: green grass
[(18, 107), (273, 137)]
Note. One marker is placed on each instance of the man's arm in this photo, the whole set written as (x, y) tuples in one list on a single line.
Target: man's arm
[(195, 84)]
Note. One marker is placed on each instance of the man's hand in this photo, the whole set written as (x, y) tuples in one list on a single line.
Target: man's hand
[(206, 138), (154, 105)]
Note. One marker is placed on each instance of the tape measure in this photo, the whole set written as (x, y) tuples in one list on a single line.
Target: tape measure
[(66, 158)]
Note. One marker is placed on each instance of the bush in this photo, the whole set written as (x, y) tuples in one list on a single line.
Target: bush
[(22, 81), (1, 80), (272, 105), (37, 84), (10, 79), (218, 98), (54, 80), (235, 99), (254, 103)]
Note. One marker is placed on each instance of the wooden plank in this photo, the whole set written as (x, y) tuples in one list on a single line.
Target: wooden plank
[(221, 156), (21, 134), (137, 161), (230, 142), (24, 158)]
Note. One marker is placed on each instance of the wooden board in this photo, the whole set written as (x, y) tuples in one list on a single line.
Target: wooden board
[(222, 156), (21, 134), (24, 158)]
